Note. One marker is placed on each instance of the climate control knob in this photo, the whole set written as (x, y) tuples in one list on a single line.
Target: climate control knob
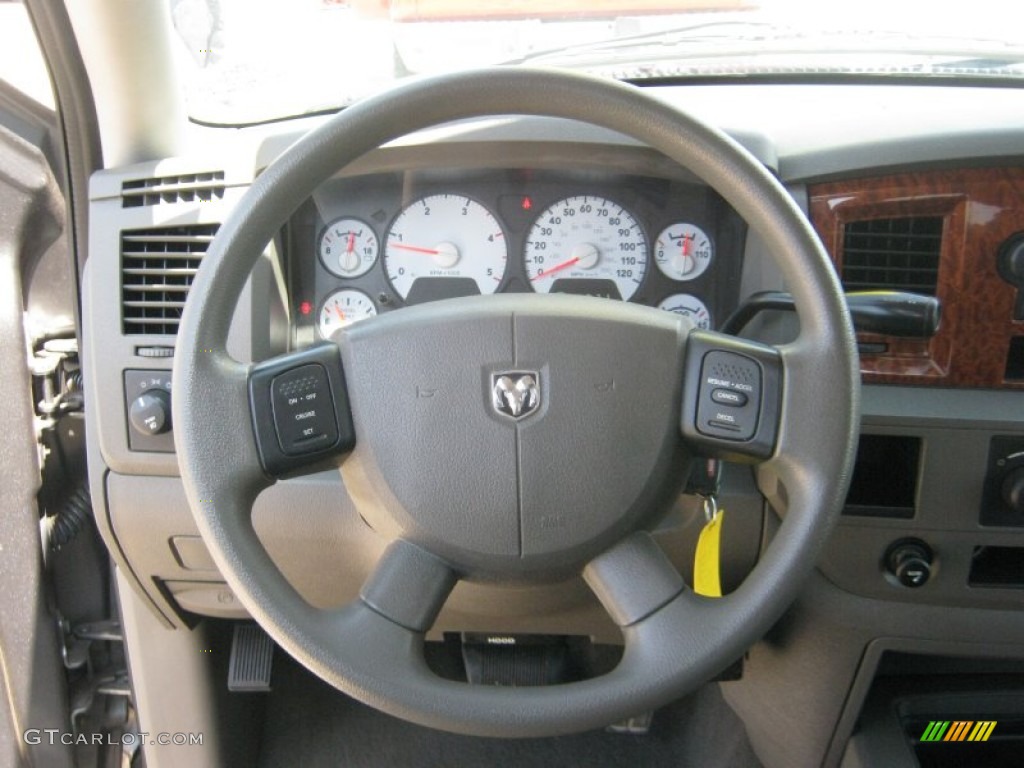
[(910, 562), (150, 412), (1013, 490)]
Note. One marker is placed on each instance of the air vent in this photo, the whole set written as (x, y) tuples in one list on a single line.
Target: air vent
[(188, 188), (892, 254), (157, 267)]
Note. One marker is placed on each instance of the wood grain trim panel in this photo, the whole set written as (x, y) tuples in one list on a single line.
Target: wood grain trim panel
[(981, 208)]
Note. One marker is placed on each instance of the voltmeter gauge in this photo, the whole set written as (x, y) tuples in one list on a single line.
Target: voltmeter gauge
[(689, 306), (683, 251), (342, 308), (348, 247)]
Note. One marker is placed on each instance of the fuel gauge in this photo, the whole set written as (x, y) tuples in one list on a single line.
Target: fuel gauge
[(342, 308), (690, 306)]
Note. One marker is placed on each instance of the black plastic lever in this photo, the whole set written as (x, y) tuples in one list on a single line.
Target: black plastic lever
[(1011, 269), (887, 313)]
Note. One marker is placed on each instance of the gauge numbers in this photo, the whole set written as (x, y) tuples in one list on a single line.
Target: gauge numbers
[(683, 251), (586, 244), (443, 246), (690, 306), (348, 247), (341, 309)]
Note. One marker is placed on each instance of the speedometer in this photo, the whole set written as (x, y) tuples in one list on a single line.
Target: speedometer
[(587, 245), (443, 246)]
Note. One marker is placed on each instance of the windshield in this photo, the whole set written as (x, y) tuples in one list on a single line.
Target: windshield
[(245, 61)]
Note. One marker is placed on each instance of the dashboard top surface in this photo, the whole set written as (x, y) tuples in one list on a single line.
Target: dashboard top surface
[(803, 130)]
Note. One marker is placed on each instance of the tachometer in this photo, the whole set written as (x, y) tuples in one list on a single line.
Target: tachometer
[(588, 245), (444, 246)]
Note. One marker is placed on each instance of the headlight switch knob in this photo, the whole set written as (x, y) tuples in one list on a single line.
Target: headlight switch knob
[(150, 412)]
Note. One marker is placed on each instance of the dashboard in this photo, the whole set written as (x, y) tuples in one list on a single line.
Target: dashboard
[(374, 243), (942, 424)]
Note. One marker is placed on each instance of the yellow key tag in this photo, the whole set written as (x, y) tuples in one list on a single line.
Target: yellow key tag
[(707, 579)]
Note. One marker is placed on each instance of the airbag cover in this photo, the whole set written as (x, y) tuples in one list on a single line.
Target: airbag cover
[(584, 447)]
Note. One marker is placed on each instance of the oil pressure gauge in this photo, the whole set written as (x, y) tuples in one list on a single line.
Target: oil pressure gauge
[(683, 251), (348, 247), (342, 308)]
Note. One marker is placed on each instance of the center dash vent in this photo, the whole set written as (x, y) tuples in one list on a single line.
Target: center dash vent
[(187, 188), (892, 254), (157, 268)]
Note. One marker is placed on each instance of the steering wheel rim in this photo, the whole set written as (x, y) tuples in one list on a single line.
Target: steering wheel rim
[(674, 640)]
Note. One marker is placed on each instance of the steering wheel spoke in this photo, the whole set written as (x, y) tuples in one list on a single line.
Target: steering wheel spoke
[(300, 410), (409, 586), (732, 397), (633, 579)]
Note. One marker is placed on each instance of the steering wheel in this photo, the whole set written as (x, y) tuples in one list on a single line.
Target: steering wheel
[(561, 468)]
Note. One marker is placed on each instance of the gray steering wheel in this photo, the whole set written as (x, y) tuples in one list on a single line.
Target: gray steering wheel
[(461, 488)]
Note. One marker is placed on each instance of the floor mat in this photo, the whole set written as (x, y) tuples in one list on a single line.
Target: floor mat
[(310, 725)]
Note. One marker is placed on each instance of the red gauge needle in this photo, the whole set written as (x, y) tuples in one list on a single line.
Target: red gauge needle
[(557, 268), (339, 313), (415, 249), (351, 242), (687, 242)]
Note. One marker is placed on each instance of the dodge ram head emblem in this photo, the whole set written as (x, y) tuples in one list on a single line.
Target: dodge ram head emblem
[(515, 394)]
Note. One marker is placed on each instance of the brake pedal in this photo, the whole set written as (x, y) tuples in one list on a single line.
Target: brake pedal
[(252, 659)]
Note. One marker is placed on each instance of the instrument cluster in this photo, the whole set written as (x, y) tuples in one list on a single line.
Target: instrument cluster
[(371, 244)]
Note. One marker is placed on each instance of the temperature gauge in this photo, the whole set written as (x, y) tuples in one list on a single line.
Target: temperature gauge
[(689, 306), (348, 247), (683, 251), (342, 308)]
